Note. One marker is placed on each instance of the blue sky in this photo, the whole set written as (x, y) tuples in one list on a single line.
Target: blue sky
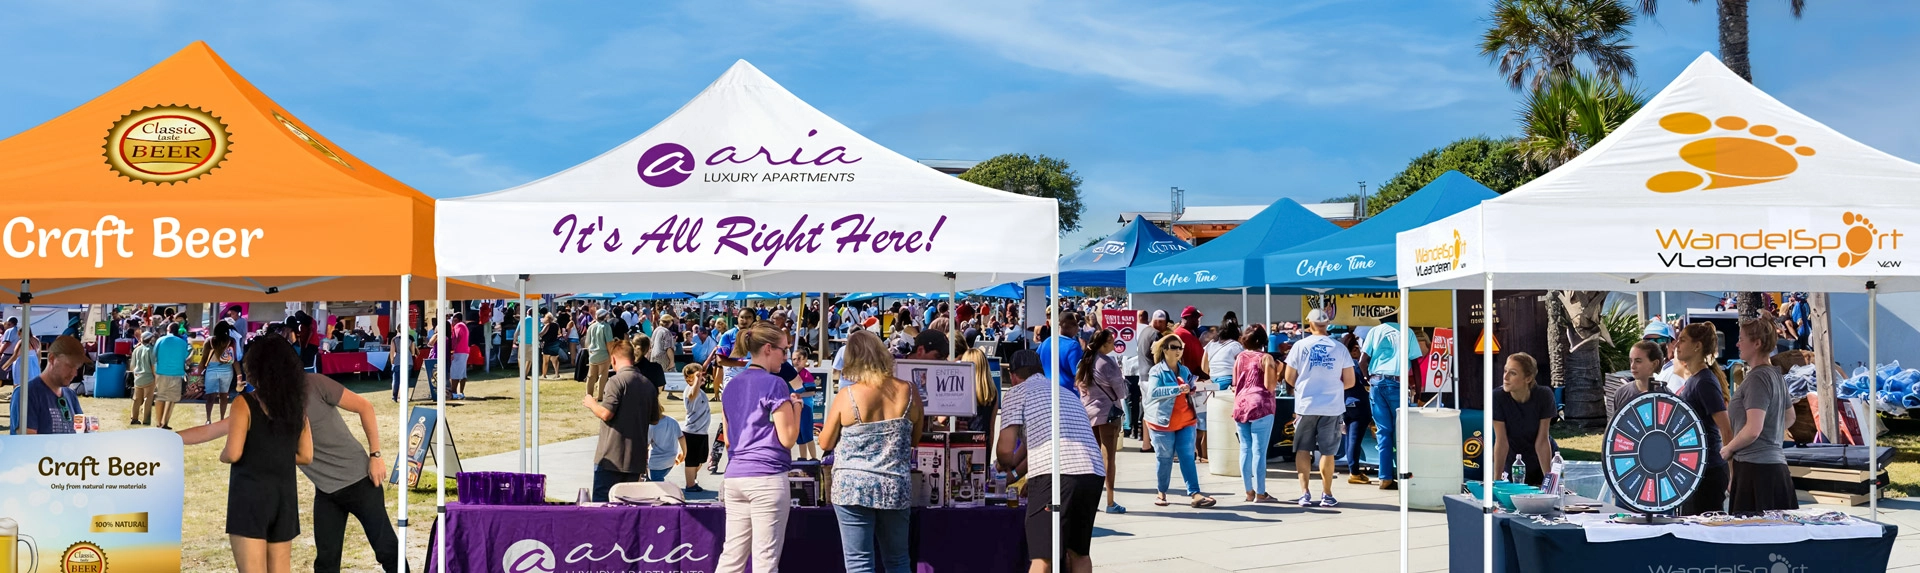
[(1236, 102)]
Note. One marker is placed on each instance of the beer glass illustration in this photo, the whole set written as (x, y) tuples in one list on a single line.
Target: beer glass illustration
[(10, 538)]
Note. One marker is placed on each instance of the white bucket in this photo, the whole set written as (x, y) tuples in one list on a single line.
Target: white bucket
[(1223, 436), (1432, 455)]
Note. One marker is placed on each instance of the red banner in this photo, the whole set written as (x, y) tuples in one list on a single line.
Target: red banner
[(1123, 322)]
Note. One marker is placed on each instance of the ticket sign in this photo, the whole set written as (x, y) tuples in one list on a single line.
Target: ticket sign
[(1439, 375), (84, 502), (946, 388), (1125, 324)]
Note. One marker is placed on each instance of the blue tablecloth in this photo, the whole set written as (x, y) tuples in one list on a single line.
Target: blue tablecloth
[(1521, 545)]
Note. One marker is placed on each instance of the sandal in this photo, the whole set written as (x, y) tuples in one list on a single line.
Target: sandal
[(1264, 498), (1249, 496), (1161, 501), (1203, 502)]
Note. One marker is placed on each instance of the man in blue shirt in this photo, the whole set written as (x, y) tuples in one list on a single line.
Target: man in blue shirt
[(1381, 358), (1801, 314), (1070, 349), (170, 371), (51, 405)]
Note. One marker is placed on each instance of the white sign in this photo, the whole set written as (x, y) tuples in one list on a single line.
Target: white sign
[(946, 388)]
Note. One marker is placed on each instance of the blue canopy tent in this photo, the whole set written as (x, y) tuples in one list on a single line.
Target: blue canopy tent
[(638, 296), (1365, 252), (865, 296), (1105, 264), (589, 296), (724, 296), (1017, 290), (1233, 261)]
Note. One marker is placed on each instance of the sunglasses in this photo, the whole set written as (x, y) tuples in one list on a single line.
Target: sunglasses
[(1660, 340), (1176, 347)]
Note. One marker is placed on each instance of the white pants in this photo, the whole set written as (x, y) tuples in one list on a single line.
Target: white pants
[(757, 510)]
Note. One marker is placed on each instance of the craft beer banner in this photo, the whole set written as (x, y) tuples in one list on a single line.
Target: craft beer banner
[(91, 503)]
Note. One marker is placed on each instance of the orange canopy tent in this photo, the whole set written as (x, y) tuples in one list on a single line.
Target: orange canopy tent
[(187, 184)]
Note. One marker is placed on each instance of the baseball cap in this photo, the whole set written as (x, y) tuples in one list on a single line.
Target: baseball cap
[(1159, 315), (1657, 329), (932, 340), (1318, 316), (1190, 311)]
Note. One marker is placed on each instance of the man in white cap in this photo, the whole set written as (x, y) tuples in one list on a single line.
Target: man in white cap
[(1320, 370), (1150, 331), (1661, 333)]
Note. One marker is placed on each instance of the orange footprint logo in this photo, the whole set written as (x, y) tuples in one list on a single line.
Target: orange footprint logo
[(1859, 239), (1729, 159)]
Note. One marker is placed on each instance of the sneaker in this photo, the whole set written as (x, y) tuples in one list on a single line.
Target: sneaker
[(1328, 501), (695, 488), (1306, 500), (1389, 485), (1115, 508), (459, 397)]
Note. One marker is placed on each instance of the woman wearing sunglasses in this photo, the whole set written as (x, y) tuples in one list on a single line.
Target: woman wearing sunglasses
[(1171, 420)]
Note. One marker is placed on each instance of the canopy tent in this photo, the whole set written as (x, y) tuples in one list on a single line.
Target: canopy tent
[(205, 190), (747, 186), (588, 296), (1019, 290), (1363, 256), (1233, 260), (725, 296), (866, 296), (1713, 185), (639, 296), (1105, 263)]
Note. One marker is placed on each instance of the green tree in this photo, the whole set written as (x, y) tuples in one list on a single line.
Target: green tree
[(1569, 114), (1492, 162), (1733, 30), (1535, 40), (1033, 175)]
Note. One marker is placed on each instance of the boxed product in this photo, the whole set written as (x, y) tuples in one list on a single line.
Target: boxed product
[(967, 476), (803, 480), (929, 475)]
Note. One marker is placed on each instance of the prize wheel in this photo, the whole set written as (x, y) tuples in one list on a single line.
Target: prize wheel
[(1655, 453)]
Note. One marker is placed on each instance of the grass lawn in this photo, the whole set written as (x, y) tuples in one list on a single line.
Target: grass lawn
[(484, 424), (1903, 474)]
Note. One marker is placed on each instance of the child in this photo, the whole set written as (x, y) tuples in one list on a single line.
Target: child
[(700, 391), (665, 445)]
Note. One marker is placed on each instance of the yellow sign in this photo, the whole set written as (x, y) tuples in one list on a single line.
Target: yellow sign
[(120, 523), (1429, 308), (166, 144), (1480, 347)]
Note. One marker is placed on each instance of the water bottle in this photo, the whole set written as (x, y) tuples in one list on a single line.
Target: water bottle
[(1556, 471), (1519, 472)]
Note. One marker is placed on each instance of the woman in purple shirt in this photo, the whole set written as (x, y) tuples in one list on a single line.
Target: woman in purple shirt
[(763, 422)]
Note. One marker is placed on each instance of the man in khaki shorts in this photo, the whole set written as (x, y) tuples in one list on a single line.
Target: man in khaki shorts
[(170, 370), (1319, 369)]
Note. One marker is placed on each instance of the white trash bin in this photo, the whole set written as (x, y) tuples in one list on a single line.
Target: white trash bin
[(1432, 455), (1223, 437)]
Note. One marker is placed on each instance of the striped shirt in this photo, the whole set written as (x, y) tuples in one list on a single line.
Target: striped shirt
[(1029, 406)]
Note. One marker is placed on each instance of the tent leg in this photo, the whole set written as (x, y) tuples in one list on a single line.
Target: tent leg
[(1407, 380), (1243, 304), (1269, 298), (953, 304), (1873, 390), (519, 331), (1487, 471), (1053, 389), (402, 361), (440, 434), (16, 411), (537, 359)]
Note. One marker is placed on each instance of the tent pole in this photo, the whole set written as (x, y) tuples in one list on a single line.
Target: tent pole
[(1053, 389), (1453, 321), (23, 351), (1407, 379), (1269, 297), (1243, 303), (403, 361), (1640, 306), (1873, 390), (953, 304), (519, 331), (537, 359), (1487, 471), (440, 434)]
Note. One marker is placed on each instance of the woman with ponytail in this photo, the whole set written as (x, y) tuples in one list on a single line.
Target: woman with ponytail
[(1103, 388), (763, 423)]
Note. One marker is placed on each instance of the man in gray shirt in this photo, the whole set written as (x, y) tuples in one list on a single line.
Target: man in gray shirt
[(346, 478), (627, 408)]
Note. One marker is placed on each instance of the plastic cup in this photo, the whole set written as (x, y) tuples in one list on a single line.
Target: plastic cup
[(516, 489), (503, 489)]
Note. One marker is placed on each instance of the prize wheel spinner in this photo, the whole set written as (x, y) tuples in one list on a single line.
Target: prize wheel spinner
[(1655, 453)]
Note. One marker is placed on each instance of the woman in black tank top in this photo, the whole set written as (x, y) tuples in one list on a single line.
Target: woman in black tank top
[(268, 435)]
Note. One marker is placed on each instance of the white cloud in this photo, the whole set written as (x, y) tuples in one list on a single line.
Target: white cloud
[(1236, 54), (434, 170)]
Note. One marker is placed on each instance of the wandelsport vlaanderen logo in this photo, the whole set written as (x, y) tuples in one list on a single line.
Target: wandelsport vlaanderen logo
[(669, 164), (1445, 257), (1740, 154), (1779, 248)]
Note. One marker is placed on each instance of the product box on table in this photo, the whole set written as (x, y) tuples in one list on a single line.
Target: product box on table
[(929, 474)]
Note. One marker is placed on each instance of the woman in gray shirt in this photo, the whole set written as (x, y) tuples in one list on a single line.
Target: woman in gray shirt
[(1760, 410)]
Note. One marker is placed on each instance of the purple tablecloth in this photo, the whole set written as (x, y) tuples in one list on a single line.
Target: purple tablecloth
[(563, 538)]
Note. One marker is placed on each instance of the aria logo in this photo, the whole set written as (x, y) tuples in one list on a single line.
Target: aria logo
[(528, 556), (669, 164)]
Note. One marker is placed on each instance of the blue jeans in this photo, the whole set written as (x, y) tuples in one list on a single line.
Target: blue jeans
[(1165, 446), (425, 372), (1350, 445), (605, 479), (1386, 405), (865, 531), (657, 475), (1254, 437)]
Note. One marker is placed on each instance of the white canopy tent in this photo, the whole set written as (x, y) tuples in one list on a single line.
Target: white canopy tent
[(744, 188), (1713, 185)]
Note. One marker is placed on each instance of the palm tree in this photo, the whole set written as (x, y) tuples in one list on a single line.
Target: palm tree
[(1733, 52), (1733, 30), (1534, 40), (1569, 113)]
